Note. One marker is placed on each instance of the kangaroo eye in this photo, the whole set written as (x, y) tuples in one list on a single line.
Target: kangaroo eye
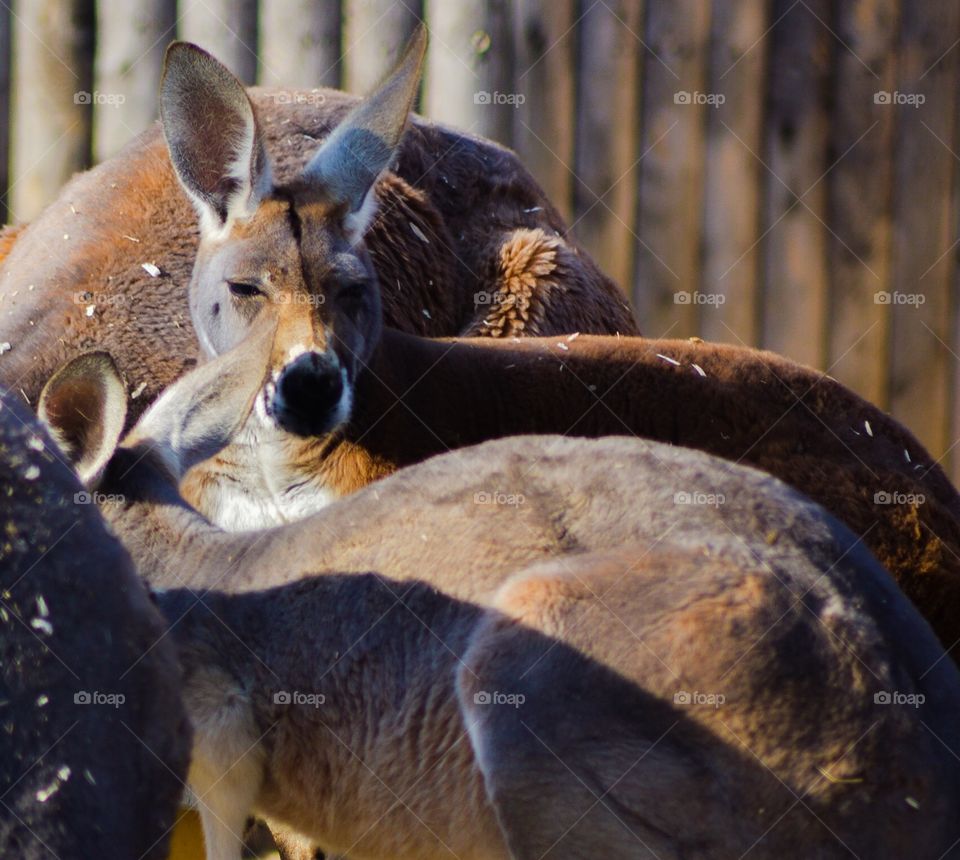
[(243, 291)]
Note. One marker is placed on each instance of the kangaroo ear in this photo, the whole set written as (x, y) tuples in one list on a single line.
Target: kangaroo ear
[(358, 150), (201, 412), (213, 136), (84, 405)]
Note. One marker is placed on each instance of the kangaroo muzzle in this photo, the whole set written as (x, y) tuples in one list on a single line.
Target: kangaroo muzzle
[(311, 397)]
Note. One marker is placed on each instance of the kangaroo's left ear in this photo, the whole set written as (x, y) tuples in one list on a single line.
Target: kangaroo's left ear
[(358, 150), (213, 137), (84, 405)]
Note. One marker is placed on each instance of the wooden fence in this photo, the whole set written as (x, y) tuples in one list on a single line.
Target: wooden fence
[(780, 173)]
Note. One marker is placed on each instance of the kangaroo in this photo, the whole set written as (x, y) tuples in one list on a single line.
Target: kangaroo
[(347, 400), (455, 231), (530, 647), (94, 738), (417, 397)]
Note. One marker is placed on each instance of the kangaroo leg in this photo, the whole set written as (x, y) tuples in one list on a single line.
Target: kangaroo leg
[(571, 752), (226, 770)]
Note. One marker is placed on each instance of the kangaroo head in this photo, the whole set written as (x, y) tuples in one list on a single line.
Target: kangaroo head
[(297, 247), (84, 405)]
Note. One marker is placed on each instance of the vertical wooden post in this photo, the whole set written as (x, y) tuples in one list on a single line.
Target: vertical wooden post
[(131, 39), (469, 80), (860, 198), (923, 253), (300, 43), (731, 211), (794, 246), (669, 220), (606, 151), (52, 113), (544, 62), (227, 29), (6, 23), (374, 33)]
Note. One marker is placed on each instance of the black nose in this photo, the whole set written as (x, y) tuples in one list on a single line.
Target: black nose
[(308, 395)]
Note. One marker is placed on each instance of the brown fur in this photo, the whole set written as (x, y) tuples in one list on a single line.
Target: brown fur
[(466, 194), (8, 235)]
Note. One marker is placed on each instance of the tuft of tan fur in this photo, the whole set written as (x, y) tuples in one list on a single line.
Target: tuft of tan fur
[(523, 283)]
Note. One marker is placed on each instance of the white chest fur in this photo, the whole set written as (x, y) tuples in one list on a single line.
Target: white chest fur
[(260, 485)]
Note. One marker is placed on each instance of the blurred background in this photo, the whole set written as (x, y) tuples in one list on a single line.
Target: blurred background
[(777, 173)]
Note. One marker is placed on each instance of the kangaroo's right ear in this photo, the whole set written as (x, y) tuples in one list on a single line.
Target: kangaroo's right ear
[(84, 406), (349, 162), (213, 137)]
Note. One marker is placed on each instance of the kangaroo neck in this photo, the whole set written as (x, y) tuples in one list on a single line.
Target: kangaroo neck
[(419, 397), (171, 542)]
